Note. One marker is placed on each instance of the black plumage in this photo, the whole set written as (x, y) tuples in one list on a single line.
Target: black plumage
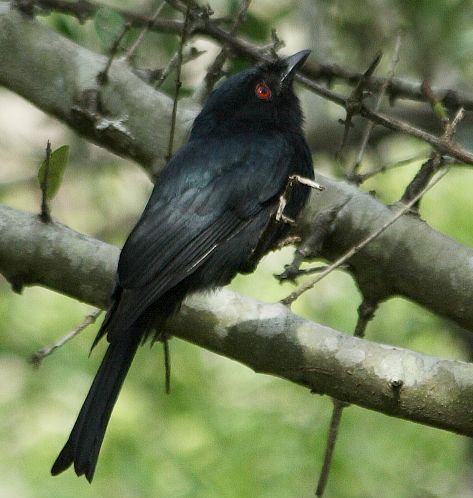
[(211, 215)]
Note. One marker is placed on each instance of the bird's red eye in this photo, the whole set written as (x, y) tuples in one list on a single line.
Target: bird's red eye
[(263, 91)]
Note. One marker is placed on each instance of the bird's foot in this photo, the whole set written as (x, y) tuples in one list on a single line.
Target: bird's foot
[(306, 181)]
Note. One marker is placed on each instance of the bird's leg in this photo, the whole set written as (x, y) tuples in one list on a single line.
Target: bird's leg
[(280, 216)]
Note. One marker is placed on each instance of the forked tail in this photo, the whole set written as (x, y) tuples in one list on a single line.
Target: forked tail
[(83, 446)]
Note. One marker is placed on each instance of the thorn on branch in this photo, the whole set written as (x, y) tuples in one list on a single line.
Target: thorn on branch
[(451, 125)]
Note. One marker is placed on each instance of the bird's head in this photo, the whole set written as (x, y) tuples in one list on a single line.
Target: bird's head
[(259, 98)]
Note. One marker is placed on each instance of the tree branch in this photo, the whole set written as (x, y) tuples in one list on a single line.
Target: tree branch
[(125, 115), (326, 71), (269, 339), (410, 259)]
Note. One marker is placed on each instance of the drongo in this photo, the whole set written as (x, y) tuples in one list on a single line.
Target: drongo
[(212, 214)]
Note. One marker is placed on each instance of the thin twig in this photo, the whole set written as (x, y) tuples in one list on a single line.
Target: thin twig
[(38, 357), (215, 72), (188, 54), (361, 177), (366, 312), (165, 340), (397, 88), (331, 439), (301, 272), (45, 214), (357, 247), (167, 364), (456, 119), (436, 105), (430, 167), (451, 125), (202, 24), (445, 147), (102, 77), (354, 102), (131, 51), (370, 125), (178, 86)]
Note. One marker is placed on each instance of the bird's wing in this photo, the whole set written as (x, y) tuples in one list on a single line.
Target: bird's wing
[(206, 194)]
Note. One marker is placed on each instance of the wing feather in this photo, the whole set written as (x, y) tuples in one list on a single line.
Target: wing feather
[(197, 204), (176, 227)]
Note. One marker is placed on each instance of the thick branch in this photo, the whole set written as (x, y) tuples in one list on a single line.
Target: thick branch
[(410, 259), (56, 257), (127, 116), (266, 337)]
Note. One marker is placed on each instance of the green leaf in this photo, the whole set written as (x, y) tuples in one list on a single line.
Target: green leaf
[(57, 165), (440, 110), (108, 24)]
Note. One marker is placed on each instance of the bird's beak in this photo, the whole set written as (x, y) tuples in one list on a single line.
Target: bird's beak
[(292, 64)]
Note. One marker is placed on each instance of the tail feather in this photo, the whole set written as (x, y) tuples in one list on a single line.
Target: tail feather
[(83, 446)]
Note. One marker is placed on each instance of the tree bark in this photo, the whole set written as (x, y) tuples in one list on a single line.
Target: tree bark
[(129, 118), (266, 337)]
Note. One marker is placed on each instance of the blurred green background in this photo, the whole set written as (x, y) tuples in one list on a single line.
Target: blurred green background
[(225, 431)]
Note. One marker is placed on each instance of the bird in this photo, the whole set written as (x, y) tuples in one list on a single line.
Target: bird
[(214, 212)]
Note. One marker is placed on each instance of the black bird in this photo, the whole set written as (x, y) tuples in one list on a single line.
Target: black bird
[(212, 214)]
